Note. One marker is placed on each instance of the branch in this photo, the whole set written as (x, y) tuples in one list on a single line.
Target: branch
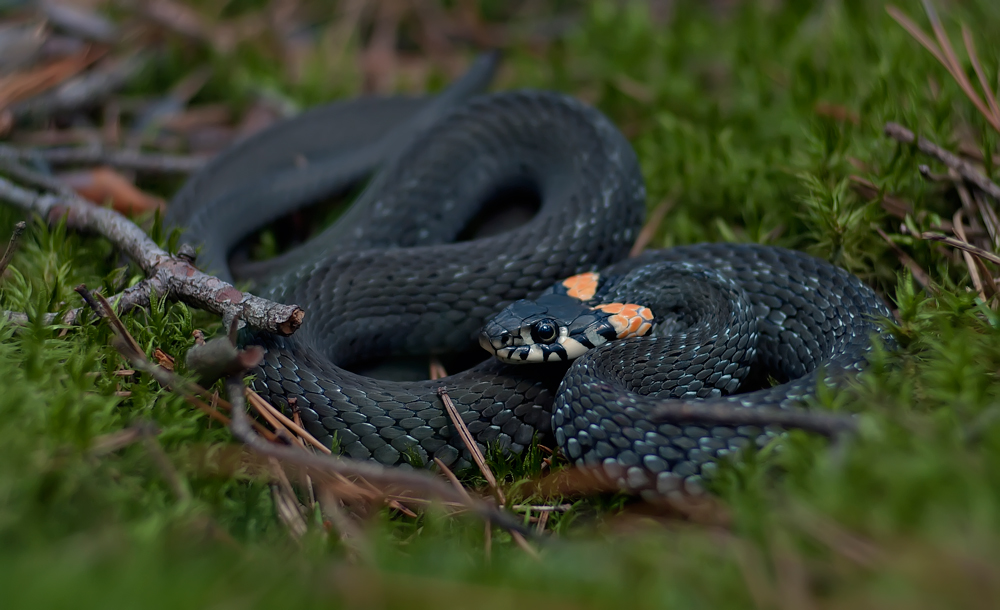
[(170, 276), (371, 472), (964, 168), (82, 91), (125, 159), (829, 425), (243, 430)]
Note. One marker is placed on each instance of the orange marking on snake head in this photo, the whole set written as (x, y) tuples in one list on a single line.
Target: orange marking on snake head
[(628, 320), (582, 286)]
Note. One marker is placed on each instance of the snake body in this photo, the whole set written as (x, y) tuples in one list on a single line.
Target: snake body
[(397, 275)]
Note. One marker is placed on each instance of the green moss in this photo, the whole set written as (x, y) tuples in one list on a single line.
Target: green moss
[(751, 123)]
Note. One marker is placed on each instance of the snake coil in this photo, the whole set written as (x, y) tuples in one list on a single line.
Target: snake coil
[(396, 275)]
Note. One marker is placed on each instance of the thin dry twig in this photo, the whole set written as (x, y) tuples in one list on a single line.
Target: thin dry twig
[(964, 168), (470, 443), (167, 275), (12, 245), (518, 538), (391, 478), (652, 225), (152, 163), (329, 466), (81, 91), (961, 245), (918, 273), (827, 424)]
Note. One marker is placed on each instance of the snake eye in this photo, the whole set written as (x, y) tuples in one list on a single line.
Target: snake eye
[(544, 331)]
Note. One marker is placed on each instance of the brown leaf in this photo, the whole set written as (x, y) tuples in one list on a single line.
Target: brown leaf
[(164, 359), (103, 184)]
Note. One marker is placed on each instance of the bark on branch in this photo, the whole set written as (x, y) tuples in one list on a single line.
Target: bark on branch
[(964, 168), (167, 275)]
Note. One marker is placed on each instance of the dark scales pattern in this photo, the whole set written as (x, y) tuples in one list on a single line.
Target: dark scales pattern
[(388, 279), (803, 317)]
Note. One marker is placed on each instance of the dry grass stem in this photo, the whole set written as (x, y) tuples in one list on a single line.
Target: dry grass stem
[(945, 54), (918, 272), (968, 171), (470, 443), (962, 245), (970, 261), (652, 225)]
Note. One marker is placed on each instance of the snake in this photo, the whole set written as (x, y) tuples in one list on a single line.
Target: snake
[(582, 341)]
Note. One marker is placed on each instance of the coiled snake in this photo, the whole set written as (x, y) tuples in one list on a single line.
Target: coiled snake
[(398, 274)]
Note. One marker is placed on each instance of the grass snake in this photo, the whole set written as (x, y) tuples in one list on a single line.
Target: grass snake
[(401, 273)]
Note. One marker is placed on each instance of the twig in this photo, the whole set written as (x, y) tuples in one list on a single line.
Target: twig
[(521, 542), (167, 275), (961, 245), (829, 425), (12, 245), (649, 229), (542, 508), (243, 429), (470, 443), (964, 168), (918, 272), (128, 348), (123, 159), (375, 473), (81, 91), (294, 427)]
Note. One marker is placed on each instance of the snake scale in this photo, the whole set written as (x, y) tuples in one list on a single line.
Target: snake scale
[(401, 273)]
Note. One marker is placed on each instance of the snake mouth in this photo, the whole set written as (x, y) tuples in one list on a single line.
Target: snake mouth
[(486, 344)]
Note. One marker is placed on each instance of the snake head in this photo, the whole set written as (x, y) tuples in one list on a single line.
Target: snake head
[(557, 328)]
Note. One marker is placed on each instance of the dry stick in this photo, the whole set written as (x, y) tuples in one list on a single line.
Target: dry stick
[(964, 168), (918, 273), (167, 275), (970, 261), (12, 245), (962, 245), (371, 472), (675, 411), (243, 429), (81, 91), (470, 444), (651, 226), (297, 429), (521, 542), (124, 159), (543, 508), (128, 348), (989, 217)]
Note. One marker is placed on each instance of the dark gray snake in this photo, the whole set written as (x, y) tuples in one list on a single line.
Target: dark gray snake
[(398, 274)]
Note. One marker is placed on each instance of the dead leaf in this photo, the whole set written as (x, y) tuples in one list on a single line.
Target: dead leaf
[(104, 185)]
